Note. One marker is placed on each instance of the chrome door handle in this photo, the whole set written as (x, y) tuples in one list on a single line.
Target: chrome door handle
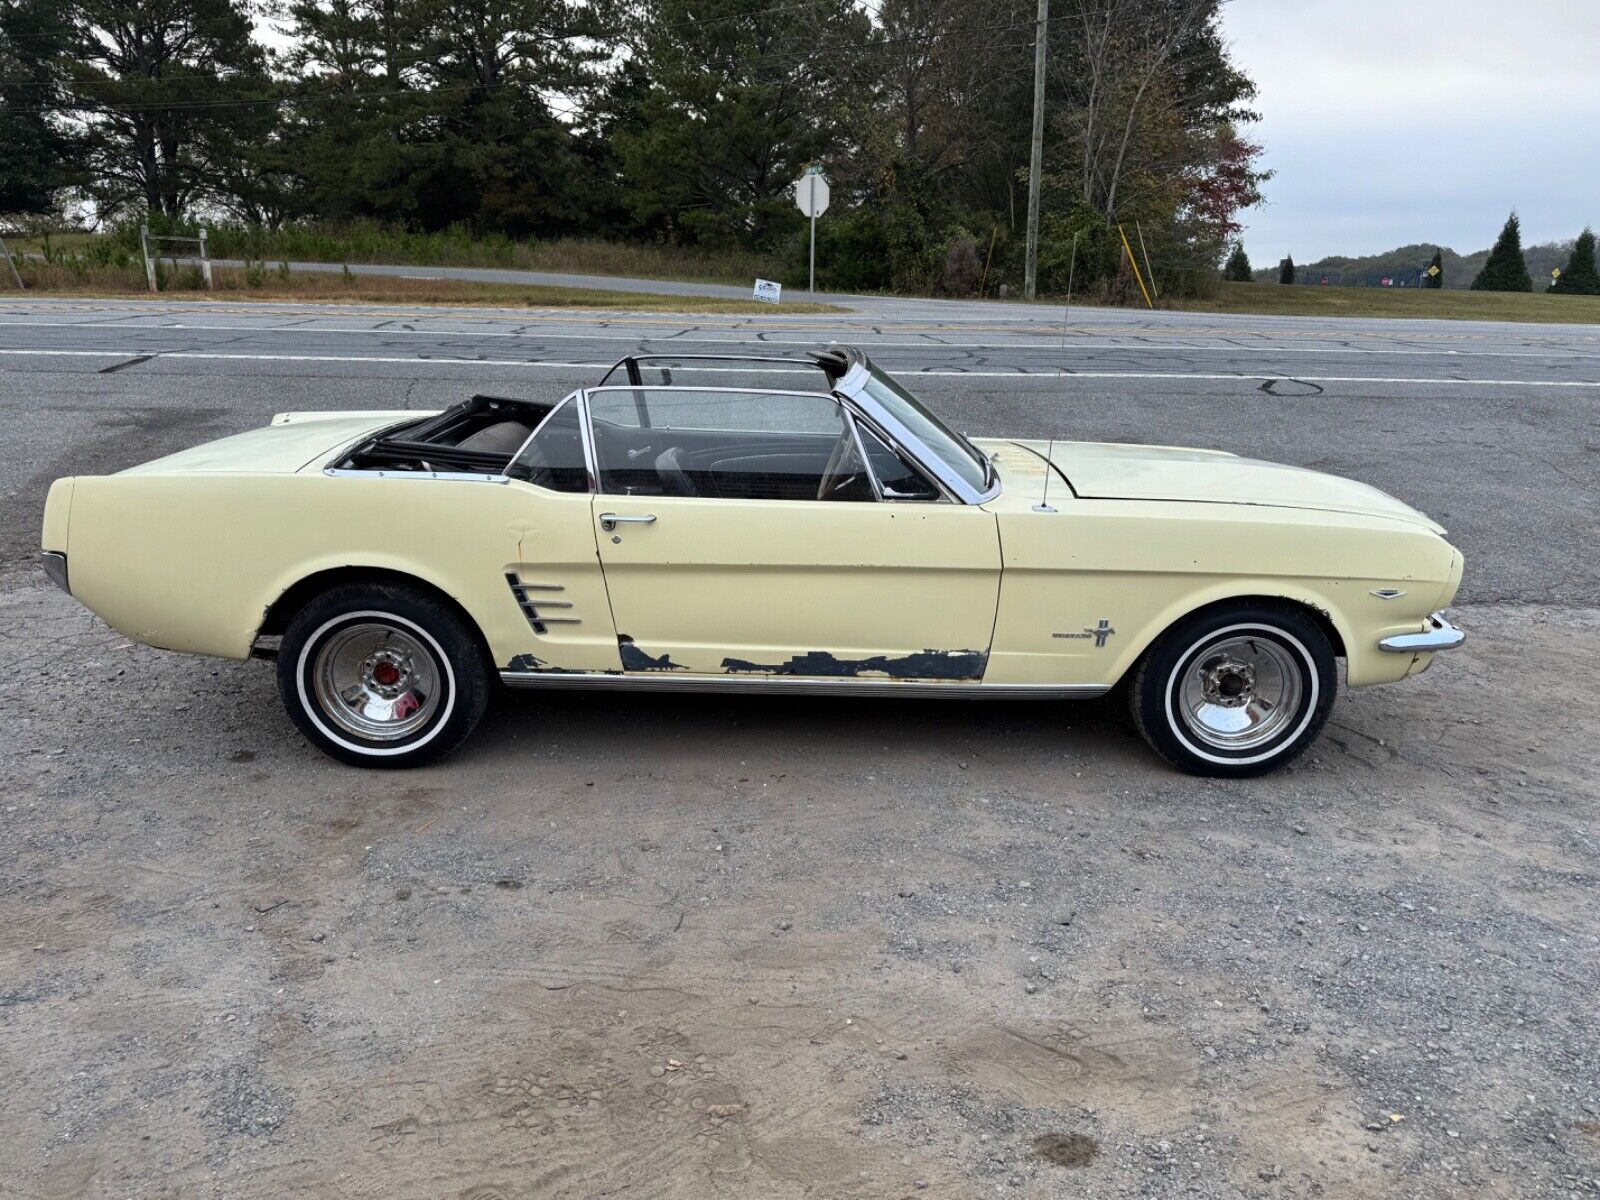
[(609, 521)]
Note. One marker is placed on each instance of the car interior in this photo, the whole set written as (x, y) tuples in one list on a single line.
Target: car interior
[(729, 464), (493, 435), (480, 436)]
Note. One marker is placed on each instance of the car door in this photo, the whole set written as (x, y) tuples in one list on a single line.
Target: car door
[(721, 560)]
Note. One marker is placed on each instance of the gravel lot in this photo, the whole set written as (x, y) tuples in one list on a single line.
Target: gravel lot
[(645, 947)]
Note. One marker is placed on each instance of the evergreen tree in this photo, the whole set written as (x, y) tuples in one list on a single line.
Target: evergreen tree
[(1436, 278), (743, 95), (436, 112), (1506, 270), (1578, 277), (1237, 268), (37, 149), (1286, 270), (166, 93)]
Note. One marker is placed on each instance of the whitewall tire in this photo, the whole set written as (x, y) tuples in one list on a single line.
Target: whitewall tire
[(1235, 690), (382, 675)]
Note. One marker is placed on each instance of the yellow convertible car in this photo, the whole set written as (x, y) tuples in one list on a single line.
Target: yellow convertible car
[(836, 538)]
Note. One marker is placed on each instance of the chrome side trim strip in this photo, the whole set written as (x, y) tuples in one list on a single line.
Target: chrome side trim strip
[(1440, 635), (454, 476), (788, 684)]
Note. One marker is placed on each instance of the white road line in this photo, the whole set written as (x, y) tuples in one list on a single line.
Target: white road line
[(935, 373), (689, 337)]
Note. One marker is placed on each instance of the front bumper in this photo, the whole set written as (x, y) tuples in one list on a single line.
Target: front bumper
[(1440, 635)]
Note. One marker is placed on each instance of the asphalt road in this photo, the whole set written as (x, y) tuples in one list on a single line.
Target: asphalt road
[(1490, 428)]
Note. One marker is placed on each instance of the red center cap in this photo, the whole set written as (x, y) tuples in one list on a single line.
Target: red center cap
[(386, 673)]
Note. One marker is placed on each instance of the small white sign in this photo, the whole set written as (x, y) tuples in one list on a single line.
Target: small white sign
[(768, 292)]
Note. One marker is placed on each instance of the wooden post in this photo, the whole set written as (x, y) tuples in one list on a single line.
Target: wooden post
[(12, 263), (1030, 261), (144, 248), (205, 262)]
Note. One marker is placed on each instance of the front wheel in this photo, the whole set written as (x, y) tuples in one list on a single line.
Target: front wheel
[(382, 676), (1235, 691)]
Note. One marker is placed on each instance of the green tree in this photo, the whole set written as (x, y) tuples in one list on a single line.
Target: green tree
[(1578, 277), (167, 91), (438, 112), (1286, 269), (1237, 268), (742, 96), (1434, 277), (1147, 113), (37, 150), (1506, 270)]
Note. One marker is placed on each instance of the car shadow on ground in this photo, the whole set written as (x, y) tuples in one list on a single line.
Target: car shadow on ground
[(877, 728)]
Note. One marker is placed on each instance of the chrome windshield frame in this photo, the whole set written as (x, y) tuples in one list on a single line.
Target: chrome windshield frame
[(631, 364), (852, 387)]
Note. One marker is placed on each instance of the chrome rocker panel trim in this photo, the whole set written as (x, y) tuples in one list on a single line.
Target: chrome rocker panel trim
[(788, 684), (1440, 635)]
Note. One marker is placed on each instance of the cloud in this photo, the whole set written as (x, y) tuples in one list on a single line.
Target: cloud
[(1397, 121)]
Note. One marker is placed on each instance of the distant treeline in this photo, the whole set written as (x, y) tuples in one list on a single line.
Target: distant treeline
[(1409, 262), (670, 122)]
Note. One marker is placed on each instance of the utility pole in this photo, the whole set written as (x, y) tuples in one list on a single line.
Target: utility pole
[(1030, 271)]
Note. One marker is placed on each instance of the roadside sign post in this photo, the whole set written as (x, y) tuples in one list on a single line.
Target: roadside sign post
[(205, 261), (811, 196), (144, 249)]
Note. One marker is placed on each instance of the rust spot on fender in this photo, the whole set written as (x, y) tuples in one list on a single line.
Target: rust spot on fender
[(635, 659), (927, 664)]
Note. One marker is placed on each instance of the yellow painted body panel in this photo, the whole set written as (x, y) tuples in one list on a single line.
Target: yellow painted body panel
[(1141, 565), (774, 586), (192, 562), (57, 516), (285, 445), (188, 553)]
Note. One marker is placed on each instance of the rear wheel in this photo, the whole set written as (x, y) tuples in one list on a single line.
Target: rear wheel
[(382, 676), (1235, 691)]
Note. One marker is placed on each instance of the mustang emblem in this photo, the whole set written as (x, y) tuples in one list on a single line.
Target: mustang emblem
[(1099, 633)]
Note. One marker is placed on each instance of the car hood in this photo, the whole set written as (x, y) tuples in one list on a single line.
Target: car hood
[(291, 442), (1114, 471)]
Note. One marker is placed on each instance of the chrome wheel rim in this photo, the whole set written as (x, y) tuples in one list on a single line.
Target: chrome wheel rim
[(376, 681), (1239, 693)]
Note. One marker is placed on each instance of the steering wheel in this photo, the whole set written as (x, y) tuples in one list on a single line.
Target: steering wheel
[(832, 481)]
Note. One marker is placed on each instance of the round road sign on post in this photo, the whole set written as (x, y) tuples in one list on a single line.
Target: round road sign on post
[(811, 195)]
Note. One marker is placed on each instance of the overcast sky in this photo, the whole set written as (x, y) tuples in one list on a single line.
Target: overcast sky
[(1398, 121)]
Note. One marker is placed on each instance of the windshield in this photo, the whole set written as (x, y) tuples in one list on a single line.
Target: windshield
[(960, 455)]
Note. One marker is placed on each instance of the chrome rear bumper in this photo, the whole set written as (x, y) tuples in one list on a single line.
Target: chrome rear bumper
[(1440, 635)]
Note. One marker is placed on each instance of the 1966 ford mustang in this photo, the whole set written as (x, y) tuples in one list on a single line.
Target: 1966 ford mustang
[(836, 538)]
